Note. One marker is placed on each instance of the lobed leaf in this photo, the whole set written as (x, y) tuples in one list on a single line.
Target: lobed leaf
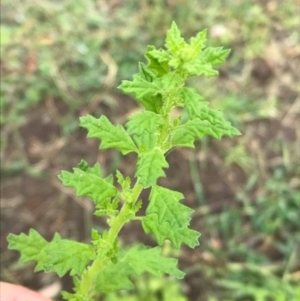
[(59, 255), (143, 127), (144, 259), (143, 122), (216, 119), (175, 62), (161, 56), (157, 60), (167, 218), (95, 170), (163, 231), (146, 141), (140, 87), (151, 103), (68, 255), (214, 55), (196, 107), (124, 182), (198, 68), (203, 121), (86, 183), (174, 40), (181, 137), (169, 83), (31, 247), (197, 43), (111, 136), (150, 167), (113, 277), (165, 203), (193, 102), (146, 73), (197, 128)]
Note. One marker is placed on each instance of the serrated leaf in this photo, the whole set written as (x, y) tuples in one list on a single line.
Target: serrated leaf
[(114, 277), (95, 170), (157, 60), (175, 62), (144, 122), (204, 121), (193, 102), (59, 255), (198, 68), (200, 113), (165, 203), (215, 117), (218, 125), (143, 127), (170, 82), (183, 138), (197, 43), (214, 55), (144, 259), (164, 231), (31, 247), (146, 73), (174, 40), (162, 57), (83, 165), (89, 184), (151, 103), (197, 128), (124, 182), (150, 167), (146, 141), (67, 255), (139, 87), (165, 214), (142, 89), (111, 136)]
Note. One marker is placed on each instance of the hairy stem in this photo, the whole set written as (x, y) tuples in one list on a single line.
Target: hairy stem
[(88, 278)]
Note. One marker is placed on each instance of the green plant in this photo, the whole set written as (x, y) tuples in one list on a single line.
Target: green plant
[(102, 266), (150, 288), (259, 283)]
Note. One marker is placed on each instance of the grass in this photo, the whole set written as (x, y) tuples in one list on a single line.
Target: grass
[(61, 59)]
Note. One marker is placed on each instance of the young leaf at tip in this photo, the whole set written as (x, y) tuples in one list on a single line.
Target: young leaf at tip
[(174, 41)]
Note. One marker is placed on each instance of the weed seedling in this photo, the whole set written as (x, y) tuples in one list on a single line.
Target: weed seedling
[(102, 266)]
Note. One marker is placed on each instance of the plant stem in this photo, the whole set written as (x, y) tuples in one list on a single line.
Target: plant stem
[(86, 287)]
